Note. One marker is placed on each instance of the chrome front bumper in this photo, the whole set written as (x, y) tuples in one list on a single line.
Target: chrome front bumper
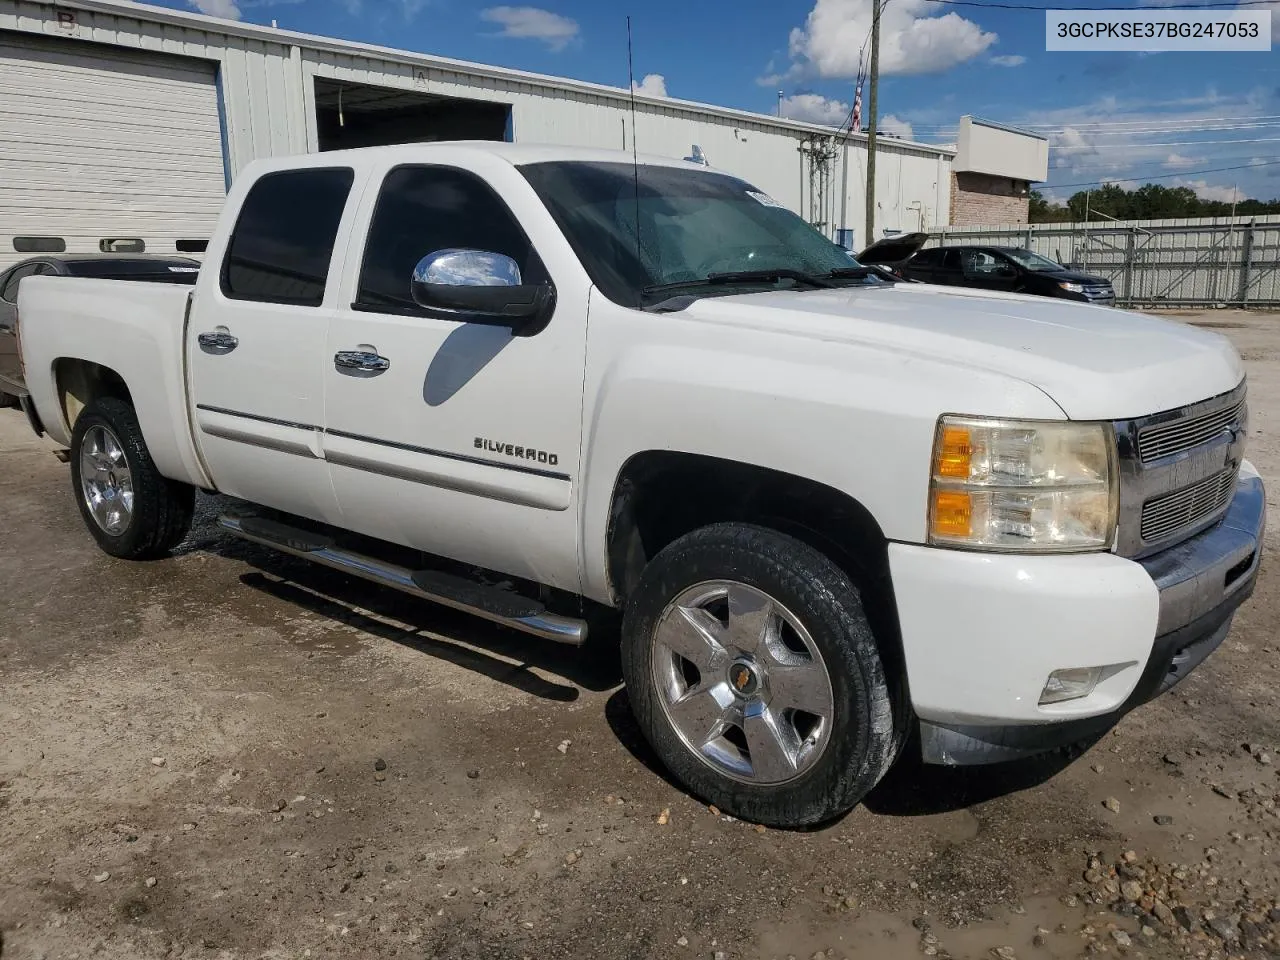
[(1202, 581)]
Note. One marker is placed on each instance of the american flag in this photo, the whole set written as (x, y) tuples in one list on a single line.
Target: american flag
[(856, 124)]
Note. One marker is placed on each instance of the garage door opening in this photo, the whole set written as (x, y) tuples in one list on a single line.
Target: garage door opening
[(359, 115)]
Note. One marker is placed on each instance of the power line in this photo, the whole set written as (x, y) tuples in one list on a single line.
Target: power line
[(1133, 126), (1208, 5), (1085, 148), (1148, 121), (1166, 176)]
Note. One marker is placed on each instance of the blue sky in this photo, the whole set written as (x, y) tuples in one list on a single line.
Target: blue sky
[(1178, 117)]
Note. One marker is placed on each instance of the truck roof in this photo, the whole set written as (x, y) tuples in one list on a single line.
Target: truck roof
[(517, 154)]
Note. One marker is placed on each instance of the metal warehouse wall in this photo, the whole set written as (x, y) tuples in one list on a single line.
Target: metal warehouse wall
[(266, 85)]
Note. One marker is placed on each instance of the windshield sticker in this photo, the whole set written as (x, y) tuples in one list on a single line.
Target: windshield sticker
[(763, 198)]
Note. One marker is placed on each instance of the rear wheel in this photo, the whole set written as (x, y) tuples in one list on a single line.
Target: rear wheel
[(131, 510), (754, 675)]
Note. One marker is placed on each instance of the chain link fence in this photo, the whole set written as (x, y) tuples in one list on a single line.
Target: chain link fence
[(1155, 263)]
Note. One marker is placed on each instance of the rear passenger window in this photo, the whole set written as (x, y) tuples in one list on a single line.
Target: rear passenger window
[(424, 209), (283, 239)]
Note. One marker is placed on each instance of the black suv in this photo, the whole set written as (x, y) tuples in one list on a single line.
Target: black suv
[(991, 268)]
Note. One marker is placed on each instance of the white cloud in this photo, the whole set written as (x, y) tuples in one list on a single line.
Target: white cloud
[(225, 9), (1176, 160), (891, 124), (815, 108), (533, 23), (1010, 60), (1206, 191), (912, 39), (653, 85)]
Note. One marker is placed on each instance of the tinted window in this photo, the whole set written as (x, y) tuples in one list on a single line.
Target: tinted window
[(39, 244), (982, 262), (10, 290), (191, 246), (951, 259), (424, 209), (283, 240), (639, 228), (927, 258)]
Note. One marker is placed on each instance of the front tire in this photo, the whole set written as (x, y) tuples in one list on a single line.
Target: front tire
[(132, 511), (753, 673)]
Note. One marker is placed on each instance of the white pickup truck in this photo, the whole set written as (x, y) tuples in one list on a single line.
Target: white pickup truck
[(835, 511)]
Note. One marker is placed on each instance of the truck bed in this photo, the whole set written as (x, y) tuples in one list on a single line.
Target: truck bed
[(134, 329)]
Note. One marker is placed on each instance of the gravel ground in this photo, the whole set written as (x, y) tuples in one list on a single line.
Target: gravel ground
[(232, 754)]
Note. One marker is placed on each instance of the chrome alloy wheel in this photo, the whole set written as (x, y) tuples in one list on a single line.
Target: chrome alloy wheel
[(742, 682), (106, 481)]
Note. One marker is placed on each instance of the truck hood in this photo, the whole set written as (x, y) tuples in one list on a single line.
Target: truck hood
[(1096, 363)]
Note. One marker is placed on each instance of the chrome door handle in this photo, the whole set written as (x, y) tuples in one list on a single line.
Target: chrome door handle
[(361, 360), (218, 340)]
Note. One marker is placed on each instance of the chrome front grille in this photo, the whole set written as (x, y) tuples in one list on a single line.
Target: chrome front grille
[(1178, 471), (1164, 440), (1185, 508)]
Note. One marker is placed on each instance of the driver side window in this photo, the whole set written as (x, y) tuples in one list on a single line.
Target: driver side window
[(422, 210), (980, 262)]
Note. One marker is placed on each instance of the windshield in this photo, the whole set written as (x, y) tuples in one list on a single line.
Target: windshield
[(693, 224), (1033, 261)]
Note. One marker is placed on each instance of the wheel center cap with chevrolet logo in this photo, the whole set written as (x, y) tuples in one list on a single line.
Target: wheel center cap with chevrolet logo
[(743, 679)]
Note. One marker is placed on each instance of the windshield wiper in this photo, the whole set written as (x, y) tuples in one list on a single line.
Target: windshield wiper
[(858, 273), (819, 281), (741, 276)]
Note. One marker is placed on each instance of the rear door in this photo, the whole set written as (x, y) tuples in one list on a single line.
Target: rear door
[(922, 265), (949, 271), (256, 342), (463, 440)]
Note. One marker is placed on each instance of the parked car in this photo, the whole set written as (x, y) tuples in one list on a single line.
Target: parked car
[(831, 508), (889, 254), (181, 270), (1011, 269)]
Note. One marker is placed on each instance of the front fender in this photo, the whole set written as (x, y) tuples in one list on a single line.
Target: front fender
[(855, 418)]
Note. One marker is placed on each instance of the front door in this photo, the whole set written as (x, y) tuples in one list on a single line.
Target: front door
[(988, 270), (452, 437), (256, 344)]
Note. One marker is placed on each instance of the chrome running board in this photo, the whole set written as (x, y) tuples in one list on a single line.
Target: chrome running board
[(491, 603)]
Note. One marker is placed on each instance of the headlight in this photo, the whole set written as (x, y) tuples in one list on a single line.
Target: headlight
[(1072, 287), (1022, 485)]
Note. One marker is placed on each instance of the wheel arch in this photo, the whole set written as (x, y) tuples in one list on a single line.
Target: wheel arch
[(79, 382), (660, 495)]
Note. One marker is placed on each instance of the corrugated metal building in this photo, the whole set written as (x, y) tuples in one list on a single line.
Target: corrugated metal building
[(121, 125)]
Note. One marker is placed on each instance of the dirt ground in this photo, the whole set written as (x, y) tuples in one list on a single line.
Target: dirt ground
[(233, 754)]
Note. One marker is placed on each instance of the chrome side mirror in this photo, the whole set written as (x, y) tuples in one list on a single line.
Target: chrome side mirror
[(467, 268), (475, 286)]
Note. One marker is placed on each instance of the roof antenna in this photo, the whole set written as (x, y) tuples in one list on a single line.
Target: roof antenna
[(635, 161)]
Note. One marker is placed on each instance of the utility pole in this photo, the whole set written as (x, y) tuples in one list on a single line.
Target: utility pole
[(871, 123)]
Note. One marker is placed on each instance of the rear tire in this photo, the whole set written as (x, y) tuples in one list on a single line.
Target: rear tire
[(132, 511), (753, 673)]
